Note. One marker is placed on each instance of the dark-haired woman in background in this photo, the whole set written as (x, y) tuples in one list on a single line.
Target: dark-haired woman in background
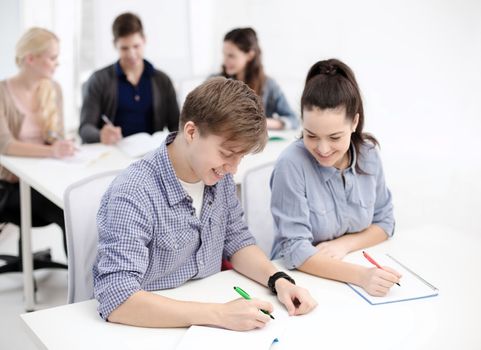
[(242, 61), (329, 196)]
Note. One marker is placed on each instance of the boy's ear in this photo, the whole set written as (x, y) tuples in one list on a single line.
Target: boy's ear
[(189, 131)]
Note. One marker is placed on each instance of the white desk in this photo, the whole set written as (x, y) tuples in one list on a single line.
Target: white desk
[(448, 259), (51, 178)]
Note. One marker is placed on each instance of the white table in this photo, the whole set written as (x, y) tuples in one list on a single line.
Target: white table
[(445, 257), (51, 178)]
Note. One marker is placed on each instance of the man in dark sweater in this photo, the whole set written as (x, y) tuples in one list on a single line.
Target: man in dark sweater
[(129, 96)]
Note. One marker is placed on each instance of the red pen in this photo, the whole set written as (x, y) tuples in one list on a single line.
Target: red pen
[(372, 261)]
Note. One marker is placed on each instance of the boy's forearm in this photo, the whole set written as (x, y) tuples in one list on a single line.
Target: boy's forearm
[(253, 263), (145, 309)]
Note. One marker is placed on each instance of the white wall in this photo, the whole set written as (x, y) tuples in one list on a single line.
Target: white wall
[(9, 23)]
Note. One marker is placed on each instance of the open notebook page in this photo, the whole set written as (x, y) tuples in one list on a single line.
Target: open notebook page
[(211, 338), (412, 286), (137, 145), (84, 155)]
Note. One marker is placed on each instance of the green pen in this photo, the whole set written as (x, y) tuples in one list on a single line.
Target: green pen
[(246, 296)]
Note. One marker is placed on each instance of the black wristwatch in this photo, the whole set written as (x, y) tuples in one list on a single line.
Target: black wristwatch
[(271, 284)]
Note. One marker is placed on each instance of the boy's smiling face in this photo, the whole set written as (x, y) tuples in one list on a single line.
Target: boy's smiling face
[(210, 157)]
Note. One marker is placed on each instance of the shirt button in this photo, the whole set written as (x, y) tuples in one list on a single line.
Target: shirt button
[(201, 263), (176, 246)]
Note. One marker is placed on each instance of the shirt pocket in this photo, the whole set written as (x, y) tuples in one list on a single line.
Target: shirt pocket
[(323, 220), (175, 249), (217, 231), (363, 212)]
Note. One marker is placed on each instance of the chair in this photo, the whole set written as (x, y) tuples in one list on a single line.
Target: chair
[(256, 200), (13, 263), (81, 204)]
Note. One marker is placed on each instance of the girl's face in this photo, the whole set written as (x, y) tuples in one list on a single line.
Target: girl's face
[(327, 135), (235, 60), (45, 63)]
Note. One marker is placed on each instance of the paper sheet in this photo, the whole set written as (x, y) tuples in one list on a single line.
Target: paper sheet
[(211, 338), (412, 287), (142, 143)]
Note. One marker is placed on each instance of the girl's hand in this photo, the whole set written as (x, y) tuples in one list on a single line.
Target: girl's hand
[(378, 282), (274, 124), (63, 148)]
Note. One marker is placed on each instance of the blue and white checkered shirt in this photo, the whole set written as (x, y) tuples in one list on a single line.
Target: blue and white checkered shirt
[(150, 237)]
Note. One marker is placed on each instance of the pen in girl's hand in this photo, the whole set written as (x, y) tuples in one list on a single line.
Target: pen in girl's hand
[(372, 261)]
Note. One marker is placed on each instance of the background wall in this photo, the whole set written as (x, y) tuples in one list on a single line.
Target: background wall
[(9, 23), (417, 63)]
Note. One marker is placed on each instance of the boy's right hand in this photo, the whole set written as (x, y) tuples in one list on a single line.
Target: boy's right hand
[(377, 282), (244, 315), (110, 134)]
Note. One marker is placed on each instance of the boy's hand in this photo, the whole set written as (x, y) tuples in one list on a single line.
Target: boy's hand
[(244, 315), (110, 134), (297, 300)]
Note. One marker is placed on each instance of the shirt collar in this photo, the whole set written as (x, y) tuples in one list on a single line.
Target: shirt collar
[(148, 69), (175, 193), (328, 172)]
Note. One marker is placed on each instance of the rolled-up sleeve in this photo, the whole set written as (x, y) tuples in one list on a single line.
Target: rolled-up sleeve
[(237, 234), (125, 230), (383, 207), (290, 211)]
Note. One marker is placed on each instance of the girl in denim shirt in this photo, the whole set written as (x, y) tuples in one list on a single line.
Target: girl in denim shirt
[(242, 61), (329, 196)]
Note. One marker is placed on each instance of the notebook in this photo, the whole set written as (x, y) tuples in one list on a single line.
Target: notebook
[(412, 286), (212, 338), (139, 144), (84, 155)]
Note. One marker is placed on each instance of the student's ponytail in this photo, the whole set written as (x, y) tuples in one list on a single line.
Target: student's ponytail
[(331, 84)]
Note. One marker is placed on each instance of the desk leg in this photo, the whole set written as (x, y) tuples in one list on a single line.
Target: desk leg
[(27, 258)]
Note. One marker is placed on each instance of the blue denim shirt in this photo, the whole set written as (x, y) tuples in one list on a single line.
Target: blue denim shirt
[(276, 103), (310, 203), (150, 237)]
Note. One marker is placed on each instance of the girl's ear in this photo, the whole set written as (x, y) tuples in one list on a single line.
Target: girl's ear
[(355, 121)]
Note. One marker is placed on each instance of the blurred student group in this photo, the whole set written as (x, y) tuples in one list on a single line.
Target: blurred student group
[(173, 215)]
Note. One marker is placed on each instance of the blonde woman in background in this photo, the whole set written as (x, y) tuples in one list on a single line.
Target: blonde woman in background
[(31, 123)]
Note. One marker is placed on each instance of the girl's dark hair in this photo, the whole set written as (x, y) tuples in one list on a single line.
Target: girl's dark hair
[(331, 84), (246, 40)]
